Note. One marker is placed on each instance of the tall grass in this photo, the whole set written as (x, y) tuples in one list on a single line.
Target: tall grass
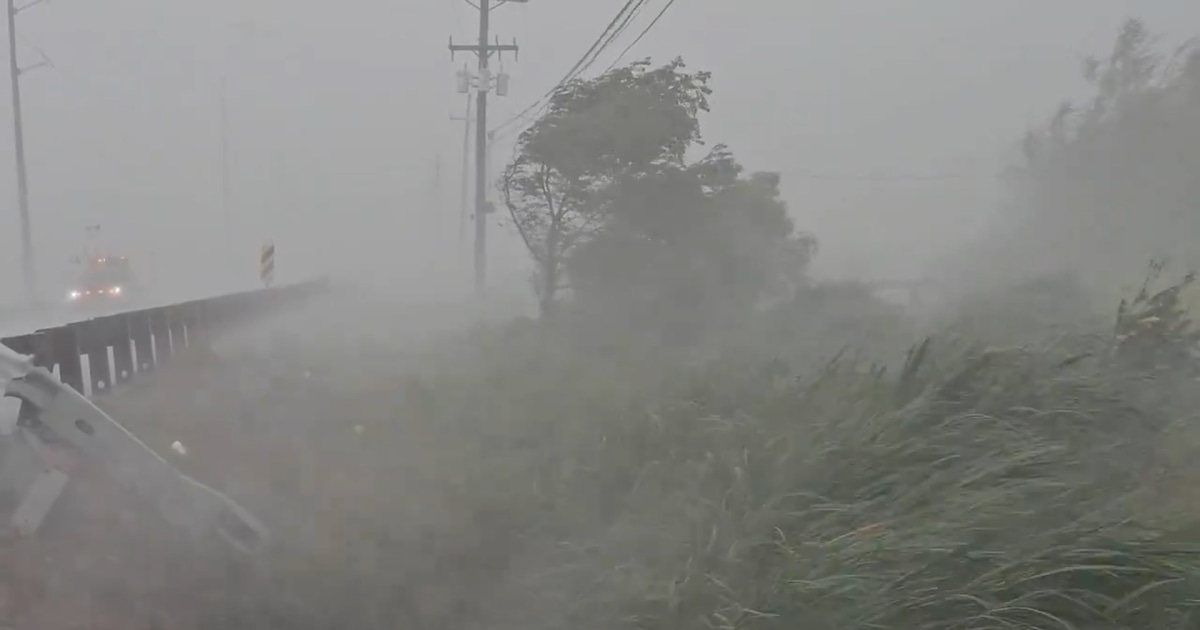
[(545, 478), (972, 488)]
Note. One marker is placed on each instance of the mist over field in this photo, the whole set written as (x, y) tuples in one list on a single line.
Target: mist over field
[(795, 316)]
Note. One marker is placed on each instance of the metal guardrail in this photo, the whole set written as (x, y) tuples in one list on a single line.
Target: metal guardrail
[(140, 340)]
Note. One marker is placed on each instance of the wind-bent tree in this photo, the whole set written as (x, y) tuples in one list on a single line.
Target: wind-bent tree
[(1110, 182), (595, 135), (608, 203)]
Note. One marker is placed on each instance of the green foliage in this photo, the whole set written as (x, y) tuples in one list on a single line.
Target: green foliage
[(604, 197), (624, 121), (595, 133), (1109, 181), (700, 241)]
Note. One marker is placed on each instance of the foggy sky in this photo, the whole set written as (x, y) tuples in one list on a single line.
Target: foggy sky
[(339, 113)]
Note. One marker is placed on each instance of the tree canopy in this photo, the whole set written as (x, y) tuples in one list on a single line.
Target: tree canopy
[(603, 190), (1109, 182)]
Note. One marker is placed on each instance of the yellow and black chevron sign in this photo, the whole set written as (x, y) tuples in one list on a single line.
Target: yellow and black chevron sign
[(266, 268)]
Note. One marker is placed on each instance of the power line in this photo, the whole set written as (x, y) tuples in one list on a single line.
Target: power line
[(575, 69), (641, 35), (620, 30), (601, 42), (619, 22)]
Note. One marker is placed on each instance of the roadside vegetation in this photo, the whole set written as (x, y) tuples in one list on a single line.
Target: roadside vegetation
[(969, 486)]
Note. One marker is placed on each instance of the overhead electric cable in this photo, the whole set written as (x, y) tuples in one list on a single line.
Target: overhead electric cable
[(618, 24), (640, 35)]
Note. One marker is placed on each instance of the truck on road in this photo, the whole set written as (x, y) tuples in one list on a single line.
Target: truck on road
[(105, 279)]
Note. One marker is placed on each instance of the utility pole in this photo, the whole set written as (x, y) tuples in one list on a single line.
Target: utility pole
[(14, 73), (466, 175), (483, 50)]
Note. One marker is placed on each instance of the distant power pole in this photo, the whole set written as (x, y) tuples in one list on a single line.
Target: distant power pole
[(14, 73), (466, 175), (483, 50)]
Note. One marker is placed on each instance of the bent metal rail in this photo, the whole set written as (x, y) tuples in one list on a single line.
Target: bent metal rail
[(116, 347)]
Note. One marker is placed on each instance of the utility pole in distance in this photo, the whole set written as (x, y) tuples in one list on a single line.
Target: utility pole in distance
[(466, 176), (14, 74), (483, 51)]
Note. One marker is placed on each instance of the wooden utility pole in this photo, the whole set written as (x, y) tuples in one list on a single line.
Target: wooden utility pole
[(28, 260), (483, 50)]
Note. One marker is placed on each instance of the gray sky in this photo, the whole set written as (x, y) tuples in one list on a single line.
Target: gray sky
[(338, 112)]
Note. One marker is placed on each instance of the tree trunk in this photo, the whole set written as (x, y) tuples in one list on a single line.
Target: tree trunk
[(550, 272)]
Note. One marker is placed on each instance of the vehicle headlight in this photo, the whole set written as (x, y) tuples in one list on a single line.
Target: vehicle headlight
[(74, 295), (115, 290)]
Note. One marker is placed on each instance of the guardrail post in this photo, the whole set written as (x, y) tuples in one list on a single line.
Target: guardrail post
[(93, 342), (122, 345), (139, 331), (196, 321), (160, 327), (64, 348), (115, 329), (176, 325)]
